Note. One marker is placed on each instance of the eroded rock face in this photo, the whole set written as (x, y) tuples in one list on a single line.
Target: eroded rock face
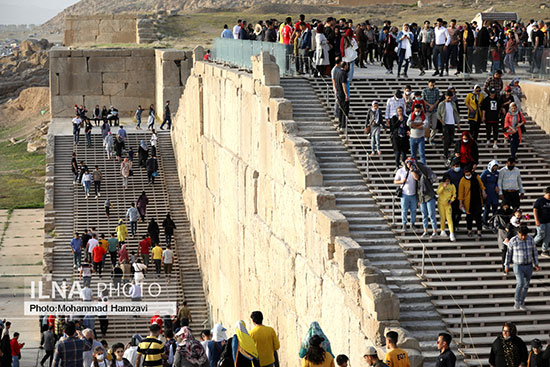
[(27, 67)]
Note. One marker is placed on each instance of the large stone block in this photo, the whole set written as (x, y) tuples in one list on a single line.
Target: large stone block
[(125, 37), (114, 89), (332, 223), (108, 64), (170, 74), (87, 83), (404, 339), (280, 109), (65, 66), (63, 106), (379, 301), (318, 198), (137, 63), (346, 253)]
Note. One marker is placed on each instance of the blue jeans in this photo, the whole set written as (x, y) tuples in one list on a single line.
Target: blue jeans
[(509, 61), (87, 185), (408, 202), (375, 139), (495, 66), (138, 121), (76, 133), (350, 75), (418, 145), (15, 362), (400, 62), (523, 275), (428, 212), (76, 258), (543, 235)]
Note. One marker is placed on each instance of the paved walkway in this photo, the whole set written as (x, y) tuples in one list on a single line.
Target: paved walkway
[(21, 262), (63, 126)]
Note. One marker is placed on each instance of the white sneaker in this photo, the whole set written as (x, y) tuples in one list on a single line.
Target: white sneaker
[(523, 308), (443, 234), (98, 194), (434, 234), (95, 197), (452, 237), (425, 234), (495, 146)]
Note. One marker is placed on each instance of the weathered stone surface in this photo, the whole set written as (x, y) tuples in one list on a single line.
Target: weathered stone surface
[(346, 254), (404, 340), (86, 30)]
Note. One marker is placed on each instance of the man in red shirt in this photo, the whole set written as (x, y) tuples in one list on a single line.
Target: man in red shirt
[(143, 249), (97, 255), (16, 349), (286, 31)]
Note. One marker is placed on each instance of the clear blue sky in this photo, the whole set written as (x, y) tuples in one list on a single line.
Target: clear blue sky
[(31, 11)]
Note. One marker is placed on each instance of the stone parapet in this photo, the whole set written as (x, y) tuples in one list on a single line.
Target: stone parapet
[(267, 234)]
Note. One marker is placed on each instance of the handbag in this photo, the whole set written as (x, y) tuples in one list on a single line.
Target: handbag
[(155, 174), (399, 190)]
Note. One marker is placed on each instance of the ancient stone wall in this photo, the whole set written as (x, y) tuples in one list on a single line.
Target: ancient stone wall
[(121, 78), (172, 70), (97, 29), (267, 235), (537, 103)]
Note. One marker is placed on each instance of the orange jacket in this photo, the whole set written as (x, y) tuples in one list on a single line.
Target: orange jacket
[(508, 124)]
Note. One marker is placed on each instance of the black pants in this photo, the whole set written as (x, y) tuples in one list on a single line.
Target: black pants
[(448, 137), (426, 52), (400, 157), (492, 131), (481, 57), (150, 177), (157, 266), (167, 120), (440, 55), (113, 257), (469, 60), (97, 187), (388, 60), (470, 218), (504, 251), (474, 128), (49, 354), (97, 267), (370, 52), (341, 111), (103, 324), (456, 213), (512, 197)]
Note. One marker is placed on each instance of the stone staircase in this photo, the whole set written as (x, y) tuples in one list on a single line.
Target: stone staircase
[(75, 213), (460, 277), (368, 226)]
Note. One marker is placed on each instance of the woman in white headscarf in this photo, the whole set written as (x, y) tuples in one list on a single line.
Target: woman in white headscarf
[(214, 347), (322, 47)]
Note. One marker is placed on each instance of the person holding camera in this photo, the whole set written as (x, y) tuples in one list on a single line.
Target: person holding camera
[(407, 177)]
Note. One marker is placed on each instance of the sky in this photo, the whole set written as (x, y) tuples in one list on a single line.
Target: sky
[(31, 11)]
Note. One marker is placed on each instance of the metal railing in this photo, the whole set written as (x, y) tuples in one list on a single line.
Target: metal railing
[(239, 52)]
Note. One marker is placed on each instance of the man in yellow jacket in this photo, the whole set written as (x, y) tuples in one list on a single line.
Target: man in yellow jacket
[(267, 342), (121, 231), (473, 103)]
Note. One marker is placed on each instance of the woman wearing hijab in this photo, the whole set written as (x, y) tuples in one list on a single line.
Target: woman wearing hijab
[(243, 347), (315, 329), (513, 124), (517, 94), (473, 103), (123, 254), (141, 205), (322, 47), (142, 153), (119, 147), (214, 347), (125, 168), (153, 230), (109, 144), (399, 135), (151, 118), (471, 193), (466, 150), (489, 177), (105, 129), (190, 352), (316, 355), (508, 349), (405, 40), (121, 231)]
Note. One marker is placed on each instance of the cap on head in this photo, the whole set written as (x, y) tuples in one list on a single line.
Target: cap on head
[(375, 103), (371, 351), (536, 343), (492, 91)]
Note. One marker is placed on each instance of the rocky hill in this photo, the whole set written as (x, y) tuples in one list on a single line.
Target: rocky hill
[(89, 7), (27, 67)]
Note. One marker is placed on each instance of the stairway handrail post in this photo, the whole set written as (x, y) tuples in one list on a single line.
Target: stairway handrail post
[(461, 326), (368, 167), (393, 209), (423, 259)]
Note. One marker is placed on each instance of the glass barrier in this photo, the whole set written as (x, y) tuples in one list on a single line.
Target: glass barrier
[(239, 52)]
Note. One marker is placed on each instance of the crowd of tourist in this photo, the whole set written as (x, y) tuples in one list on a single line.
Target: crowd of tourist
[(171, 343), (465, 47)]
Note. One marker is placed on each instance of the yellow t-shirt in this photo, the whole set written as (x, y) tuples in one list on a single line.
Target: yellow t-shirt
[(329, 362), (397, 358), (105, 244), (157, 253), (266, 343)]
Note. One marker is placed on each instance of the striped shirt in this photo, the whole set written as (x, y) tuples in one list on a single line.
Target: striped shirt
[(70, 352), (151, 350), (521, 252)]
